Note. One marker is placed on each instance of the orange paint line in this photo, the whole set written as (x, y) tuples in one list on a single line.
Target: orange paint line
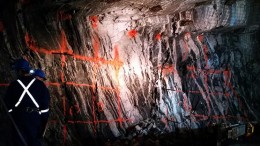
[(84, 58), (117, 63), (1, 26), (91, 86), (62, 76), (212, 93), (95, 43), (227, 77), (63, 42), (205, 81), (63, 60), (4, 84), (205, 50), (94, 21), (93, 110), (212, 71), (108, 88), (64, 135), (52, 84), (64, 105), (97, 121), (80, 122), (197, 92), (201, 116), (77, 84), (216, 116)]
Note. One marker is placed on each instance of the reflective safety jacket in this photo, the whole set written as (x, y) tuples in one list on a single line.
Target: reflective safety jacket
[(28, 99)]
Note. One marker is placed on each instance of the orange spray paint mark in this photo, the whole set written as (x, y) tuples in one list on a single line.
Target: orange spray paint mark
[(63, 45), (64, 134), (213, 71), (117, 63), (94, 21), (77, 84), (4, 84), (227, 77), (80, 122), (1, 26), (52, 84), (62, 76), (64, 105), (98, 121), (167, 69), (132, 33), (158, 37)]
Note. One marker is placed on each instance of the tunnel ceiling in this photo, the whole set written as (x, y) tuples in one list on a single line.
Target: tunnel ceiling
[(127, 68)]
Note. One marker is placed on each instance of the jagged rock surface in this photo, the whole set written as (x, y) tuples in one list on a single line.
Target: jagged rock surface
[(122, 69)]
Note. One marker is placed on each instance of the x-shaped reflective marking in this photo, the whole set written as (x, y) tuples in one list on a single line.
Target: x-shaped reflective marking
[(26, 91)]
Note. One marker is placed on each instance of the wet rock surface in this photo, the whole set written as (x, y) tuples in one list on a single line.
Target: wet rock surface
[(131, 72)]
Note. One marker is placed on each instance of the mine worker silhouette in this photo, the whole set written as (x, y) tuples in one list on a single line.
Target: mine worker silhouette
[(27, 100)]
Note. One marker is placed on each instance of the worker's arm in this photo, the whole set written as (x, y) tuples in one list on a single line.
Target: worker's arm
[(44, 110)]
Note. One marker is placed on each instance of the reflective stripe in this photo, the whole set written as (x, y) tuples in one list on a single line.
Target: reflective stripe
[(26, 91), (44, 111), (10, 110)]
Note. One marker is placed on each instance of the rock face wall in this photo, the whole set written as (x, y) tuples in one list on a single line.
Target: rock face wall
[(119, 73)]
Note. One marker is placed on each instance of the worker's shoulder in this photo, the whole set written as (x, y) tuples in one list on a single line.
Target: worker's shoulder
[(39, 82)]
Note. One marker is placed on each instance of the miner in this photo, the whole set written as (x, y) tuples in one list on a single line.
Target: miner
[(27, 100)]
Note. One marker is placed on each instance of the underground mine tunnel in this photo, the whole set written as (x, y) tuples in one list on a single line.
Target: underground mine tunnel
[(138, 72)]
